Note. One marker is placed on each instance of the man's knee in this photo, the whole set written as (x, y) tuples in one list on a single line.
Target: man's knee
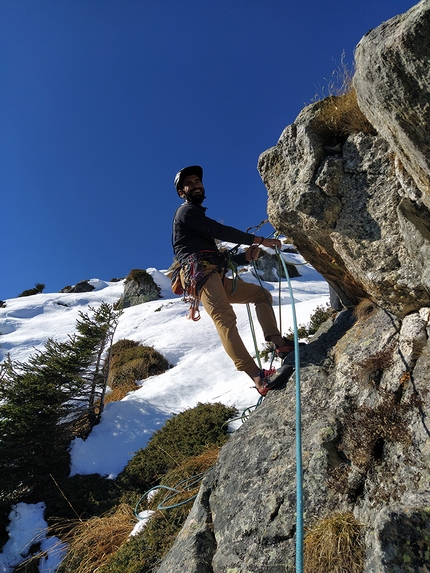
[(265, 296)]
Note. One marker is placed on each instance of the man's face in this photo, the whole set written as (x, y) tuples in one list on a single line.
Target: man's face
[(193, 190)]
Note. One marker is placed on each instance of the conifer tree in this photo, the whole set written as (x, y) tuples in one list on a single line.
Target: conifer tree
[(40, 401)]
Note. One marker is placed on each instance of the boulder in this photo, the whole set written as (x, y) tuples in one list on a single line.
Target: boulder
[(270, 269), (139, 287), (344, 209), (81, 286)]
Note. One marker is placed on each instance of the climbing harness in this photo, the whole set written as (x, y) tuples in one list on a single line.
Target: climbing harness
[(196, 270)]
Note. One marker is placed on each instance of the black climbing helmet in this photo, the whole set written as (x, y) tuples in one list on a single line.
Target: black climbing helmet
[(191, 170)]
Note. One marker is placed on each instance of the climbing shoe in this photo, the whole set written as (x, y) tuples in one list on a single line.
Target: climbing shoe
[(273, 378), (282, 351)]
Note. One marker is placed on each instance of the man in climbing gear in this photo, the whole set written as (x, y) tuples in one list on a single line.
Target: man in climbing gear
[(203, 270)]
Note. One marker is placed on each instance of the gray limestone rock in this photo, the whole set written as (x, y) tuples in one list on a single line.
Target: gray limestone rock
[(365, 450), (392, 82), (139, 287), (355, 203)]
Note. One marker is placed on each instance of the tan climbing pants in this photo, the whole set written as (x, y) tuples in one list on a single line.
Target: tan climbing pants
[(217, 297)]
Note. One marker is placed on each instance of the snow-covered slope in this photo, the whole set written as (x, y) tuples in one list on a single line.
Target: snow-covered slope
[(201, 371)]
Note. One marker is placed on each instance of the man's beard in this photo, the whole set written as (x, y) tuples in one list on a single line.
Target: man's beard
[(196, 199)]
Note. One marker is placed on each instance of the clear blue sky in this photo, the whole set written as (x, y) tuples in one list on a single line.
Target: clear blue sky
[(102, 101)]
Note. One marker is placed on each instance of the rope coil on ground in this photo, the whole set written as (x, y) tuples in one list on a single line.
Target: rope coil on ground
[(185, 486)]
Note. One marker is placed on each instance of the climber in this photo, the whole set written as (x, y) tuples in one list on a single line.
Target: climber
[(203, 269)]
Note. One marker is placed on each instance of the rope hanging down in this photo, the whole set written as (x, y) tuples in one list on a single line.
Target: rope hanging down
[(190, 484), (299, 463)]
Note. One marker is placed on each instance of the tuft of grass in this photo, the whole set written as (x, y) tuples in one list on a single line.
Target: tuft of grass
[(364, 309), (141, 277), (339, 113), (334, 544), (373, 366), (94, 541), (340, 81), (366, 429), (341, 116)]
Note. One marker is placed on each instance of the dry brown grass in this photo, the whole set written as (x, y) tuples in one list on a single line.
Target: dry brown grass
[(128, 362), (339, 113), (334, 545), (181, 477), (119, 392), (91, 543), (364, 309), (94, 541)]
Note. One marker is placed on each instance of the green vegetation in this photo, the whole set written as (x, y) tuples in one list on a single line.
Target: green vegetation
[(43, 404), (38, 288), (187, 445), (186, 435)]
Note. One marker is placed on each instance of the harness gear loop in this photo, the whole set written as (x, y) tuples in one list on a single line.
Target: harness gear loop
[(195, 272)]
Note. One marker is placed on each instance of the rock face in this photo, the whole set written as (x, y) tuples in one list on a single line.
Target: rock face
[(394, 60), (82, 286), (366, 451), (354, 201), (270, 270)]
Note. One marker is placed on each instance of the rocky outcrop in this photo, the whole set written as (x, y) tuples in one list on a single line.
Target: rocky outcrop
[(270, 269), (81, 286), (347, 185), (344, 199), (139, 287)]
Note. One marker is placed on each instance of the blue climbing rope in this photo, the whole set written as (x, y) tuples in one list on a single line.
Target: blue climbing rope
[(299, 463)]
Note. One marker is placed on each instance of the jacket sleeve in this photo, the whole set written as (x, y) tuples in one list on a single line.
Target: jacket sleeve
[(240, 259), (195, 219)]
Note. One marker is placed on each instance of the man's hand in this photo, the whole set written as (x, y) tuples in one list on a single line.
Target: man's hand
[(252, 253), (272, 243)]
